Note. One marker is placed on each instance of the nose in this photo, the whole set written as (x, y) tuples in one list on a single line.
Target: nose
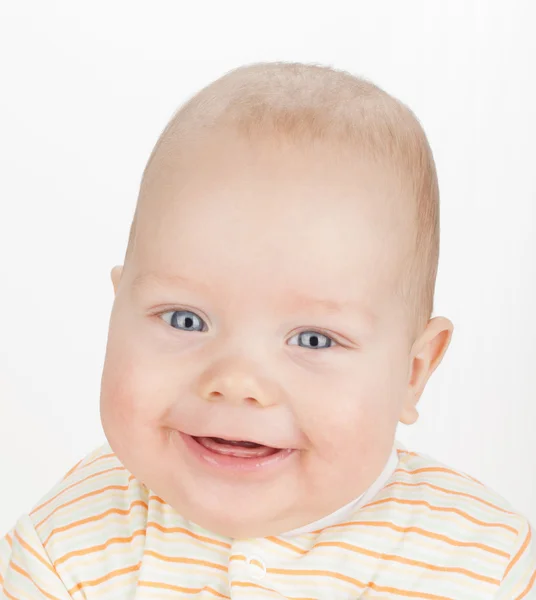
[(239, 384)]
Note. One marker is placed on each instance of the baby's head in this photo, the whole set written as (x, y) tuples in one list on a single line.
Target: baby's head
[(277, 289)]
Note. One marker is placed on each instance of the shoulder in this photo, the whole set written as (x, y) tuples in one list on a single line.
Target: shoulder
[(425, 481), (91, 522), (97, 507), (435, 530), (96, 486), (461, 520), (99, 472)]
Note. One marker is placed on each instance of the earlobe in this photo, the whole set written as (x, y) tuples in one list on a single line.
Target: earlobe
[(116, 276), (409, 415)]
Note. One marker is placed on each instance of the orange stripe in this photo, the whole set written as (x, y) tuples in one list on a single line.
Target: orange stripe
[(528, 588), (249, 584), (455, 493), (93, 582), (27, 547), (101, 457), (400, 451), (186, 561), (370, 585), (443, 509), (422, 532), (237, 557), (98, 548), (72, 470), (254, 561), (176, 588), (196, 536), (119, 511), (127, 540), (475, 480), (8, 595), (519, 553), (284, 544), (83, 497), (406, 593), (408, 561), (438, 470), (18, 569), (76, 483)]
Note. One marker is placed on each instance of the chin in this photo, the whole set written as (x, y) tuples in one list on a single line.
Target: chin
[(231, 520)]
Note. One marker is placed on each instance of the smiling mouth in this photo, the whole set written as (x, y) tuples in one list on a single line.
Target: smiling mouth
[(237, 449)]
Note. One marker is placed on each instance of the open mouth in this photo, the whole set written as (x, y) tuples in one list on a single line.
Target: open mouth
[(236, 457), (243, 449)]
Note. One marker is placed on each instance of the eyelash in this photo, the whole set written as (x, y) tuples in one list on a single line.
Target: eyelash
[(319, 331)]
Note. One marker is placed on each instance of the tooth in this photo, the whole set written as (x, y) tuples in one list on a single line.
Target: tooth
[(247, 444), (234, 443)]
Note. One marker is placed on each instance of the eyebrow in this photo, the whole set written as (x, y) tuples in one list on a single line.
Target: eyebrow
[(330, 306), (146, 279)]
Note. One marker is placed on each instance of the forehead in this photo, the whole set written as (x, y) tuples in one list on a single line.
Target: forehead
[(315, 219), (273, 182)]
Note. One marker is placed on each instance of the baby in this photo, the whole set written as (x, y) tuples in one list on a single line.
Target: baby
[(271, 327)]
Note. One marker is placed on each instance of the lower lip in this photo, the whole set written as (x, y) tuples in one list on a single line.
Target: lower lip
[(234, 463)]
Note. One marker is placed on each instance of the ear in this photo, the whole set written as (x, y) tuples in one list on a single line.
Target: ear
[(426, 354), (116, 276)]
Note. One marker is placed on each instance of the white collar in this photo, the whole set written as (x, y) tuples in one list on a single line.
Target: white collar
[(342, 513)]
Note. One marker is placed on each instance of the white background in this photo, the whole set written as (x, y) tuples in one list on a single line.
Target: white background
[(86, 88)]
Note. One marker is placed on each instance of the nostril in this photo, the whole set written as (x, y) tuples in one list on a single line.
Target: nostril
[(219, 397)]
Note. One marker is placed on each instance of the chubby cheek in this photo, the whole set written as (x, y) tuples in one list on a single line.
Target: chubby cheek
[(117, 405), (131, 399), (345, 431), (355, 418), (350, 447)]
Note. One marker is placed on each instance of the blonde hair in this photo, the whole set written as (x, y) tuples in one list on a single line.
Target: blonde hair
[(308, 102)]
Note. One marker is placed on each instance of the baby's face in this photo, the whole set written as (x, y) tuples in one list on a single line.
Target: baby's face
[(258, 307)]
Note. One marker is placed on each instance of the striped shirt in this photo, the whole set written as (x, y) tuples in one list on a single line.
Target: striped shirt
[(429, 533)]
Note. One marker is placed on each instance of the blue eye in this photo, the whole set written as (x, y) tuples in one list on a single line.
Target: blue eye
[(316, 339), (187, 320), (183, 319)]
